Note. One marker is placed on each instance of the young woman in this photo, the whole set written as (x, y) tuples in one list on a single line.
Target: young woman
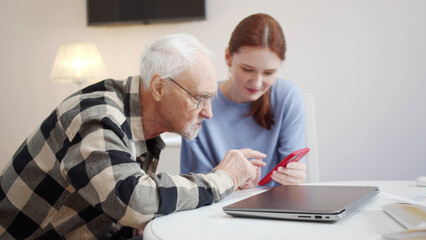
[(253, 109)]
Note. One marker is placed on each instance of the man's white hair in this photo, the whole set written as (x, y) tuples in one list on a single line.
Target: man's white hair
[(170, 56)]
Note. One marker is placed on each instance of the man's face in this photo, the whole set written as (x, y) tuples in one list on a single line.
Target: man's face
[(180, 109)]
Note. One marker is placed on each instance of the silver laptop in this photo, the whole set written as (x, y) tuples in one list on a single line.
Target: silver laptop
[(302, 202)]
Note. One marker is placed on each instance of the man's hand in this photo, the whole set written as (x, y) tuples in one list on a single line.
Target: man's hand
[(293, 174), (253, 182), (241, 170)]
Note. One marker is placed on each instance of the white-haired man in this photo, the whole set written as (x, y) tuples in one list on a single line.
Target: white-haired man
[(90, 166)]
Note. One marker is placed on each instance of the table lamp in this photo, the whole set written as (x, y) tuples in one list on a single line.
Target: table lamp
[(78, 62)]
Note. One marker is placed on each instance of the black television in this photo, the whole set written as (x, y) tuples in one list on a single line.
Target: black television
[(118, 12)]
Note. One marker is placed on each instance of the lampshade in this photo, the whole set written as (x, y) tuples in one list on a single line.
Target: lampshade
[(78, 62)]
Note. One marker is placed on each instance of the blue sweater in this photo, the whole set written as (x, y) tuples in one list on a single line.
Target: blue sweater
[(230, 128)]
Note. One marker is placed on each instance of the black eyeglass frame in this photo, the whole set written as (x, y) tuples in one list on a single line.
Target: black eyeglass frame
[(200, 100)]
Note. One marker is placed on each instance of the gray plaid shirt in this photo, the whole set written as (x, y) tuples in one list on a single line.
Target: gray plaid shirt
[(89, 166)]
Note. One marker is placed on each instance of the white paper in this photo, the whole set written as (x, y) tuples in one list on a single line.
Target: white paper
[(403, 199)]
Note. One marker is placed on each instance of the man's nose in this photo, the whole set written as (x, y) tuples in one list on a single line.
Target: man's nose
[(206, 111)]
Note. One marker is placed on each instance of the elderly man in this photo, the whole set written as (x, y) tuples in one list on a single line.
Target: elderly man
[(90, 166)]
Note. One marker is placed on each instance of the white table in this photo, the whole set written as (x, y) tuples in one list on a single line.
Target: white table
[(210, 222)]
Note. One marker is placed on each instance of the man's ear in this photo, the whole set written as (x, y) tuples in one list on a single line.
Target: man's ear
[(157, 86), (228, 58)]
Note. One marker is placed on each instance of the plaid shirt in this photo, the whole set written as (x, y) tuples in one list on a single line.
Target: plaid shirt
[(89, 166)]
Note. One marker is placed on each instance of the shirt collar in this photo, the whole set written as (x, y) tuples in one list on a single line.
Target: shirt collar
[(134, 115)]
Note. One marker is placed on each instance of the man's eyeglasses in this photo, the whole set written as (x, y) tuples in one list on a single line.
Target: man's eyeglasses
[(201, 101)]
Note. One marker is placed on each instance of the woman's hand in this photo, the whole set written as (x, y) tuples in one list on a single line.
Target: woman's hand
[(294, 173)]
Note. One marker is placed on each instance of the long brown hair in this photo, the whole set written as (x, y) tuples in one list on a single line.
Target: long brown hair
[(260, 30)]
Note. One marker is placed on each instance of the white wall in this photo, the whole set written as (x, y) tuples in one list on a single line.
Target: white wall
[(363, 60)]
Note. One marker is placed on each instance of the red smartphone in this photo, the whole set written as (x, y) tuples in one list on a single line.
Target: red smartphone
[(292, 157)]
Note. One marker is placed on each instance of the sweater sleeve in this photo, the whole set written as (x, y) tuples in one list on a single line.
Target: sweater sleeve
[(292, 132), (101, 167)]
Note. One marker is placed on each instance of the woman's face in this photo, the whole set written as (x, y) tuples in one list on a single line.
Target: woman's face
[(253, 71)]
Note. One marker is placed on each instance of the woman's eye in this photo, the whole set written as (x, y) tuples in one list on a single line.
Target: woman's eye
[(247, 69), (269, 73)]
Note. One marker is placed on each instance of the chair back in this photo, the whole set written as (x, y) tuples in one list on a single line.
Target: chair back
[(312, 171)]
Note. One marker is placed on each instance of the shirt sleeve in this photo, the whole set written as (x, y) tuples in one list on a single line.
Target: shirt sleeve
[(101, 167)]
